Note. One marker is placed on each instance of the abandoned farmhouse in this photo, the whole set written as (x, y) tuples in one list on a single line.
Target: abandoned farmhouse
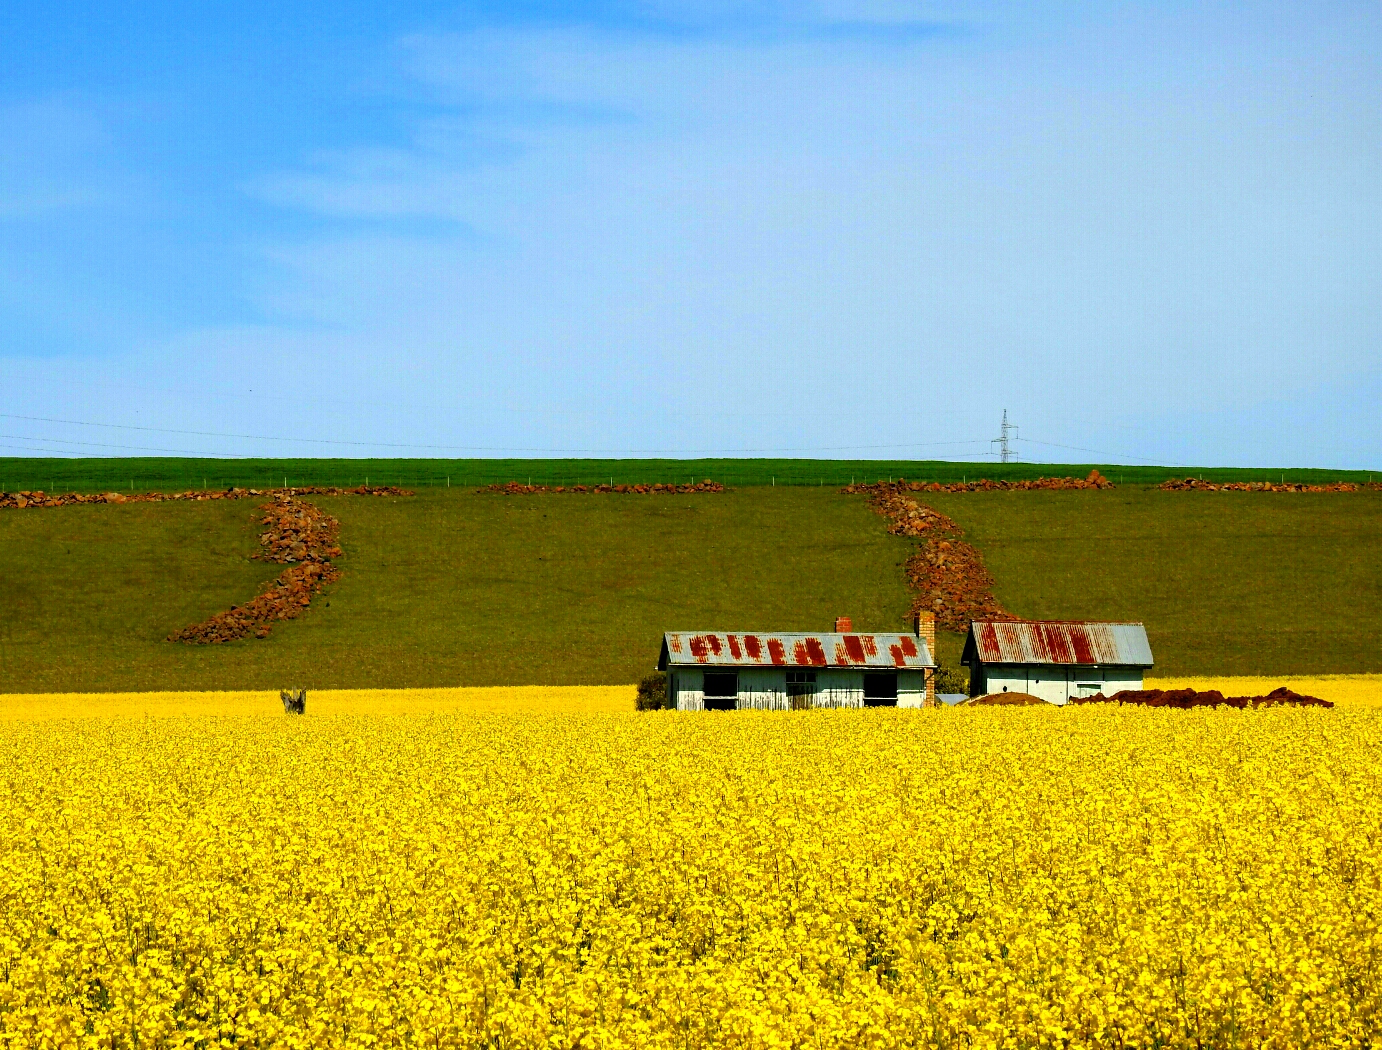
[(716, 670), (1055, 659)]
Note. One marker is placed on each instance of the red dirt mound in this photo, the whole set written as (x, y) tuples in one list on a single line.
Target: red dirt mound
[(300, 536), (1005, 700), (516, 488), (1187, 698), (1094, 480), (1196, 485), (37, 498)]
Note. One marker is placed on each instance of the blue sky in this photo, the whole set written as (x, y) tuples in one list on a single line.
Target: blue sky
[(1149, 231)]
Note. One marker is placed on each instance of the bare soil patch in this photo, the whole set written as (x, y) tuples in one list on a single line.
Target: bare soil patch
[(1005, 700)]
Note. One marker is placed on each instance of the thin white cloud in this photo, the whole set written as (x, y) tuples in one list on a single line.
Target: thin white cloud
[(47, 165), (610, 239)]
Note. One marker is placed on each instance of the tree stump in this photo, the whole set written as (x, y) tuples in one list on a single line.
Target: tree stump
[(294, 701)]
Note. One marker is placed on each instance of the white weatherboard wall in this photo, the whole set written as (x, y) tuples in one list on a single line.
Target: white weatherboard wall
[(1059, 684), (765, 689)]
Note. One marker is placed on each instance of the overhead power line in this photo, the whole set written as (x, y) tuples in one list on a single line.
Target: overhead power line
[(1113, 456), (477, 448), (103, 444)]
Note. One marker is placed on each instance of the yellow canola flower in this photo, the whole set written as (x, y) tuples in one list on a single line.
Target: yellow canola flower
[(527, 699), (1100, 877)]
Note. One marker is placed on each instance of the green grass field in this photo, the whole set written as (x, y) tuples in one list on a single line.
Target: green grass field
[(167, 474), (1227, 583), (447, 588), (455, 588)]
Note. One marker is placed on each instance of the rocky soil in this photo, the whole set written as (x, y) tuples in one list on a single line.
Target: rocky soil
[(38, 498), (1094, 480), (515, 488), (1196, 485), (946, 574), (300, 536)]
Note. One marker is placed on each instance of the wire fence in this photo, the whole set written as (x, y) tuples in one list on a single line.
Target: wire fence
[(167, 475)]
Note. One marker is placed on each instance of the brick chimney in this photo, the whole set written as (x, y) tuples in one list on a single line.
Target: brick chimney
[(843, 625), (926, 631)]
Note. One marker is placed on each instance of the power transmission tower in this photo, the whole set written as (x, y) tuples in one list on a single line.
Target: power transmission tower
[(1005, 453)]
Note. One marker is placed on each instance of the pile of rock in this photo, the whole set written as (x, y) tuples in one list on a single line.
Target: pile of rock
[(910, 518), (1186, 698), (1196, 485), (517, 488), (38, 498), (947, 574), (951, 581), (1094, 480), (300, 536)]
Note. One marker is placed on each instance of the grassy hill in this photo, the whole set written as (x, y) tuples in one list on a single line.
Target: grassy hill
[(457, 588), (1227, 583), (447, 588)]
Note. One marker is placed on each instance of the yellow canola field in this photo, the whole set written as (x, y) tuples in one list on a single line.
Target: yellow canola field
[(1353, 690), (1005, 877), (528, 699)]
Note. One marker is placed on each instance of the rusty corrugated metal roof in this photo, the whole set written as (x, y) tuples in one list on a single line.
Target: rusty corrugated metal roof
[(1066, 642), (718, 649)]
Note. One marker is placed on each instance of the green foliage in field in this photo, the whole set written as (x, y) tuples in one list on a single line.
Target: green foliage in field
[(454, 588), (448, 588), (1227, 583), (165, 475)]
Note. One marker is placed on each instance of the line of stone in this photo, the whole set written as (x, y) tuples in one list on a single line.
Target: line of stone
[(300, 536), (38, 498), (946, 574)]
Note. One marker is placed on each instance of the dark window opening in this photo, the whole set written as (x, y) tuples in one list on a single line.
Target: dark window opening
[(880, 688), (801, 689), (721, 690)]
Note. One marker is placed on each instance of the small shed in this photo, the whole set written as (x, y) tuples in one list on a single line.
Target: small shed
[(1055, 659), (722, 671)]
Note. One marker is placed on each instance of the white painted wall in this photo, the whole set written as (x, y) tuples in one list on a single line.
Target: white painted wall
[(765, 689), (911, 689), (1059, 684)]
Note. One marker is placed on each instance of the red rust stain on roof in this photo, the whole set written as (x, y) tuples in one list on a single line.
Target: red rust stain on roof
[(676, 643), (715, 646), (855, 648), (699, 649), (1051, 645), (775, 651), (908, 647), (1084, 650), (987, 640), (733, 646), (815, 651), (752, 647), (898, 658), (870, 645), (799, 653)]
